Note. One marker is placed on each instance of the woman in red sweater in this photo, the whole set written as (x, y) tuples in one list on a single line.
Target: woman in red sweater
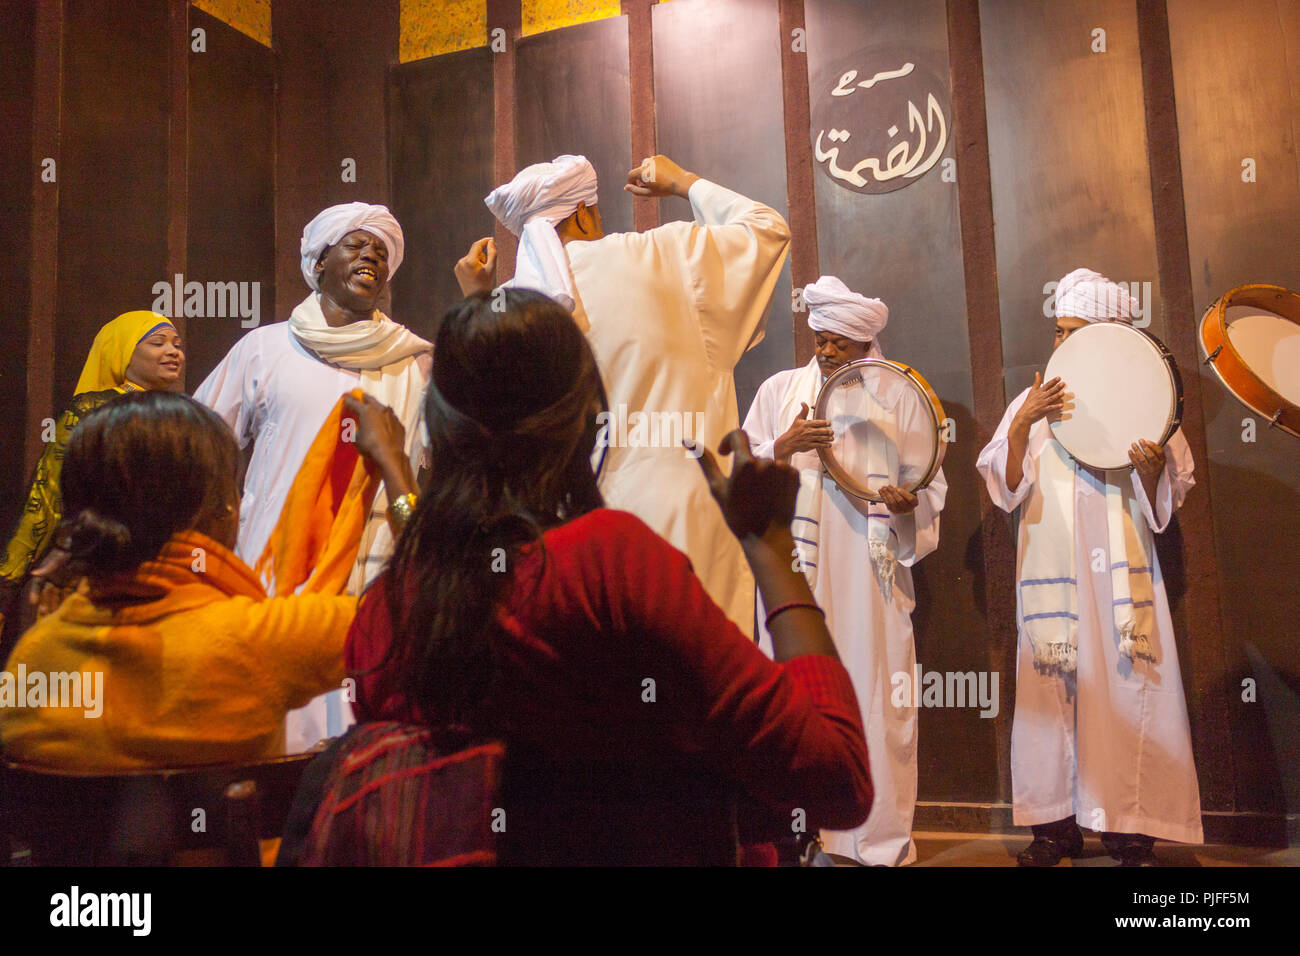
[(637, 717)]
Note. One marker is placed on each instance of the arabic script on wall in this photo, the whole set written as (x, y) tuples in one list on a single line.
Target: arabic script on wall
[(880, 122)]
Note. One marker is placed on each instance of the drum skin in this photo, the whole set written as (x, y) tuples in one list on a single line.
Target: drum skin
[(930, 402), (1229, 365), (1125, 387)]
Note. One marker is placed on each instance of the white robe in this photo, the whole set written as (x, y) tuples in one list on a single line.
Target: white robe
[(271, 390), (669, 313), (1109, 745), (873, 635)]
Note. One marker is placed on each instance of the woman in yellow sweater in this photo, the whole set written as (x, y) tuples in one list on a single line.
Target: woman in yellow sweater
[(182, 659)]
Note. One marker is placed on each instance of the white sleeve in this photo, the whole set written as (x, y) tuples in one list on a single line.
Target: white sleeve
[(1172, 487), (733, 258), (918, 532), (761, 424), (992, 462), (230, 389)]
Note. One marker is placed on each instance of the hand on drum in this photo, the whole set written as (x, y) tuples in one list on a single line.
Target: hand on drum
[(1045, 400), (1148, 458), (804, 434), (897, 500)]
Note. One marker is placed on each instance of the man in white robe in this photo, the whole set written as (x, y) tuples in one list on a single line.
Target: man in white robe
[(668, 313), (858, 556), (279, 383), (1100, 736)]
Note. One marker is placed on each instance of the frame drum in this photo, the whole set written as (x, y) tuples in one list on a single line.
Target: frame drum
[(1251, 338), (1124, 385), (886, 418)]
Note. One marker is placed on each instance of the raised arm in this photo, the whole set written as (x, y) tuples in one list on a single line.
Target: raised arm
[(994, 462), (733, 256), (1161, 478), (297, 643), (788, 731)]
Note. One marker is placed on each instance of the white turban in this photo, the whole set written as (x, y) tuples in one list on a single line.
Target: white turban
[(835, 308), (549, 191), (529, 206), (1084, 294), (332, 224)]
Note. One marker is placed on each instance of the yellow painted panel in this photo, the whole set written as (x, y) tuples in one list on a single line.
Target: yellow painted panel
[(250, 17), (542, 15), (433, 27)]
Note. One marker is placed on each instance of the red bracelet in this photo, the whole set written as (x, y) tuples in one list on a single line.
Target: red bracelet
[(785, 607)]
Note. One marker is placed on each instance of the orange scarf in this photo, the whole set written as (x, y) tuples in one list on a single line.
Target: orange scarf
[(191, 570), (313, 546)]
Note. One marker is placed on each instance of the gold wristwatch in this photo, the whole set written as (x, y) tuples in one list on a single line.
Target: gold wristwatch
[(400, 510)]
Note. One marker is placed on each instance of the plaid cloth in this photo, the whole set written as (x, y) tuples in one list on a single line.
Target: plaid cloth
[(392, 797)]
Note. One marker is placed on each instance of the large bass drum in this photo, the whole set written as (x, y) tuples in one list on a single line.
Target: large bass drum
[(1250, 336), (1122, 385), (889, 427)]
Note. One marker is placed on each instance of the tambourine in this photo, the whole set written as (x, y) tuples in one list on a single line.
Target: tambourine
[(1124, 385), (1250, 336), (888, 426)]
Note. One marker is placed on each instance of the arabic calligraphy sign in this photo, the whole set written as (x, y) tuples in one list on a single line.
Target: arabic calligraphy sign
[(880, 120)]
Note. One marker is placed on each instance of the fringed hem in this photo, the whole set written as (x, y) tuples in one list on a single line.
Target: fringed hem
[(1055, 656), (1135, 647), (884, 563)]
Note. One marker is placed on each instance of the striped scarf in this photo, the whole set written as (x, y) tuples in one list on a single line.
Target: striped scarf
[(1047, 576)]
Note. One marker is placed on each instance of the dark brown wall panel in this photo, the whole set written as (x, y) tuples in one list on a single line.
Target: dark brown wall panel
[(231, 183), (112, 171), (441, 154), (904, 247), (18, 176), (1067, 146), (718, 114), (571, 96), (332, 63), (1237, 87)]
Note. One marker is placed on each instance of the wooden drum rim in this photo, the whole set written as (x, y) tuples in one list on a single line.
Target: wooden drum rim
[(933, 406), (1230, 367)]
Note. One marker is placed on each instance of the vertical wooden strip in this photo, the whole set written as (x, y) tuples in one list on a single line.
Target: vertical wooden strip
[(800, 195), (504, 15), (178, 152), (723, 138), (230, 186), (641, 90), (45, 226), (446, 166), (572, 96), (331, 85), (1201, 609), (984, 318)]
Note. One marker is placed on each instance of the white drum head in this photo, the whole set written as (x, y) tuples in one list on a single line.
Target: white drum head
[(885, 429), (1121, 390), (1269, 345)]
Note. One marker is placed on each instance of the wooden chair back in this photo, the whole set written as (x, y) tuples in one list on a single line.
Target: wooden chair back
[(58, 818)]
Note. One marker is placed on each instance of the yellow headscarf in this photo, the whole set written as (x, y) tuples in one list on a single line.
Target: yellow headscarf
[(114, 345)]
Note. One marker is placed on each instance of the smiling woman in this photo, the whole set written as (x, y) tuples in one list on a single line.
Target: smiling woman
[(136, 352)]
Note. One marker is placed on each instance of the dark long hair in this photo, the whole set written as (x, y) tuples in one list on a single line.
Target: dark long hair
[(512, 417), (136, 471)]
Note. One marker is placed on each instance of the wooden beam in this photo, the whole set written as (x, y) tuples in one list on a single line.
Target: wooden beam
[(801, 196), (984, 325), (47, 96)]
